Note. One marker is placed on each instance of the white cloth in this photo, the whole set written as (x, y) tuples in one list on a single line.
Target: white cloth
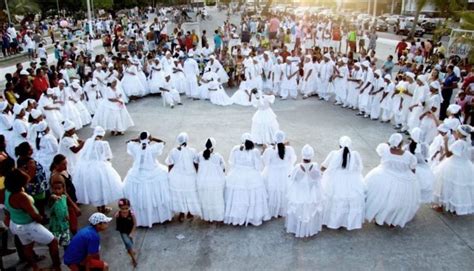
[(210, 185), (264, 121), (112, 115)]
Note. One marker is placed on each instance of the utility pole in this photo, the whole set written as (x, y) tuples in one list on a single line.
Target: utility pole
[(403, 7), (368, 7), (375, 8), (89, 16), (57, 5), (393, 6), (8, 12)]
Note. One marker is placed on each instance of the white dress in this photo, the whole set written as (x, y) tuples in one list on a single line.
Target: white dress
[(95, 179), (424, 174), (52, 114), (217, 94), (178, 79), (20, 127), (65, 145), (264, 122), (84, 113), (6, 125), (131, 83), (146, 185), (276, 177), (93, 97), (68, 110), (210, 186), (305, 201), (155, 80), (393, 194), (241, 96), (48, 148), (182, 179), (454, 184), (112, 115), (344, 190), (191, 71), (245, 194)]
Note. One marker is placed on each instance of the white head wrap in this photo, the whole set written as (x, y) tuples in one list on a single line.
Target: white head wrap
[(17, 109), (464, 130), (422, 78), (94, 82), (245, 137), (388, 77), (68, 125), (345, 141), (182, 138), (68, 63), (458, 148), (190, 54), (435, 85), (24, 72), (415, 134), (98, 65), (365, 64), (395, 140), (327, 55), (451, 124), (75, 85), (62, 82), (35, 113), (50, 91), (41, 126), (410, 74), (443, 128), (279, 137), (345, 60), (98, 131), (378, 72), (307, 153), (357, 64), (213, 141), (454, 108)]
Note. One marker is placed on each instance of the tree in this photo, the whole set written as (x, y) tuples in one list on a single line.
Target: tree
[(420, 4), (23, 7)]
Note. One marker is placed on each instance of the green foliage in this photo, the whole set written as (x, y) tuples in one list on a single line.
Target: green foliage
[(23, 7), (103, 4)]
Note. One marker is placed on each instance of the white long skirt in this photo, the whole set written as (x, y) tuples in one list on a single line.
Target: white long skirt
[(149, 195), (454, 185), (392, 197), (264, 126), (276, 182), (219, 97), (426, 179), (240, 97), (345, 199), (305, 210), (83, 112), (112, 116), (245, 198), (97, 183), (210, 186), (132, 85), (92, 103), (184, 196), (69, 112)]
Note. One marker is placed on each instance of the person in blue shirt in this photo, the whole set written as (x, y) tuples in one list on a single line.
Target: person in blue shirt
[(449, 84), (83, 250), (217, 42)]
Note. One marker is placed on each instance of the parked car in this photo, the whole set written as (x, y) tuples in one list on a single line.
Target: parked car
[(381, 26), (419, 32), (429, 27)]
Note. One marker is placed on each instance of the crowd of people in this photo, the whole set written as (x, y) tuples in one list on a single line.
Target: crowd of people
[(46, 166)]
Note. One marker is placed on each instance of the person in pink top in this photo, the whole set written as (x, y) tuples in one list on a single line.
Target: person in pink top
[(273, 28)]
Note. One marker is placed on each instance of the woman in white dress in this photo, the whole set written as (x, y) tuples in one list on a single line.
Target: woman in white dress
[(264, 121), (454, 184), (93, 96), (217, 94), (245, 195), (112, 113), (52, 112), (354, 81), (19, 126), (6, 127), (308, 82), (68, 110), (70, 145), (423, 172), (211, 182), (288, 83), (393, 195), (95, 179), (344, 187), (178, 78), (216, 67), (437, 152), (245, 94), (417, 102), (131, 83), (156, 77), (278, 162), (141, 75), (146, 183), (386, 101), (430, 118), (46, 147), (76, 95), (305, 197), (182, 165)]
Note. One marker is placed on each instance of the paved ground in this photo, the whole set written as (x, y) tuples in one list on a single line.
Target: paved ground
[(432, 241)]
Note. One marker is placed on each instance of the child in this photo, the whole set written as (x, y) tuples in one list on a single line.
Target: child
[(126, 226), (59, 216)]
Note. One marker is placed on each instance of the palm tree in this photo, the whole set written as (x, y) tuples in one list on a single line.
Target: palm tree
[(419, 6), (23, 7)]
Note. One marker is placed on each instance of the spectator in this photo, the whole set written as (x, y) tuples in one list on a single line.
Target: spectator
[(401, 47), (40, 84), (388, 65), (83, 250), (217, 42), (449, 84), (25, 221)]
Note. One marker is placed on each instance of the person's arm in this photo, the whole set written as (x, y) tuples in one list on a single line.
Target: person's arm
[(76, 149)]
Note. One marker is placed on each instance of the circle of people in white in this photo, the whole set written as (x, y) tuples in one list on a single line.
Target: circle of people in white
[(435, 166)]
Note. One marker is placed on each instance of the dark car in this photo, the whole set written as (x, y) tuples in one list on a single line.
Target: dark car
[(381, 26), (419, 32), (429, 27)]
